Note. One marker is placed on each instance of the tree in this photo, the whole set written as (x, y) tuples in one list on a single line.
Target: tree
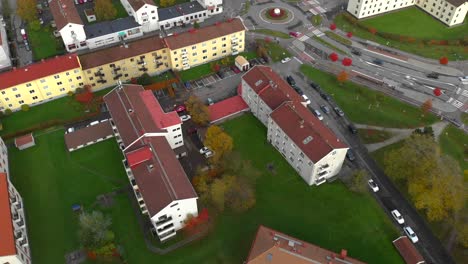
[(226, 61), (8, 112), (26, 9), (235, 165), (198, 110), (219, 142), (433, 180), (426, 106), (332, 26), (218, 190), (94, 233), (25, 107), (316, 20), (462, 233), (105, 10), (145, 79), (359, 181), (196, 24), (261, 51), (215, 67), (35, 25), (6, 10), (342, 77), (240, 196)]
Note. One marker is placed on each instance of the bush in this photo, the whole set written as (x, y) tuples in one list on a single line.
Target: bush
[(78, 90), (25, 107), (70, 93), (35, 25), (145, 79), (8, 112)]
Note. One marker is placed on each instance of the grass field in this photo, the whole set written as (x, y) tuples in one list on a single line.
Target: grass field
[(454, 142), (369, 136), (272, 33), (360, 103), (121, 12), (44, 44), (275, 51), (51, 180)]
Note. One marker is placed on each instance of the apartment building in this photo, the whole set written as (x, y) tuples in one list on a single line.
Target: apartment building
[(144, 12), (104, 68), (310, 147), (200, 46), (450, 12), (5, 61), (14, 243), (69, 24), (40, 82), (149, 138), (273, 247), (213, 7)]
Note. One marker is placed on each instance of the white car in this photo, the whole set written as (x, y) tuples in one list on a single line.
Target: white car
[(287, 59), (204, 150), (397, 216), (411, 234), (373, 185), (318, 114), (306, 99), (208, 154), (184, 118)]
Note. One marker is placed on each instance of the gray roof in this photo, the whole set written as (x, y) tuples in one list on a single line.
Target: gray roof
[(108, 27), (179, 10)]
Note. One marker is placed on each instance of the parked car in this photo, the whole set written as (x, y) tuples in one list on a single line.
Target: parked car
[(220, 74), (208, 154), (291, 80), (411, 234), (378, 61), (23, 34), (235, 69), (26, 45), (373, 185), (463, 79), (397, 216), (326, 97), (287, 59), (70, 130), (356, 52), (298, 90), (315, 86), (295, 34), (325, 109), (306, 99), (317, 114), (204, 150), (210, 101), (350, 155), (263, 60), (338, 111), (192, 130), (41, 21), (352, 128), (433, 75), (180, 108), (184, 118)]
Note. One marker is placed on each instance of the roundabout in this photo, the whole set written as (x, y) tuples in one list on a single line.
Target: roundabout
[(276, 15)]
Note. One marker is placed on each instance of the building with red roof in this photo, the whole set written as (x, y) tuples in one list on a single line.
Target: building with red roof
[(273, 247), (310, 147), (408, 251), (14, 243), (227, 108), (24, 142), (149, 139)]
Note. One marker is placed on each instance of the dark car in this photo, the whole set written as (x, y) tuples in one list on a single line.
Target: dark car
[(298, 90), (263, 60), (291, 80), (326, 97), (325, 109), (315, 86), (220, 74), (352, 128), (235, 69), (338, 111), (356, 52), (433, 75), (378, 61), (350, 155)]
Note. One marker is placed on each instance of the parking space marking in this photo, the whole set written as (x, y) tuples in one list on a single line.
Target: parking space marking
[(465, 93)]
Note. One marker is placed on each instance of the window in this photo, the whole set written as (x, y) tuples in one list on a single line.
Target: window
[(48, 93), (78, 78), (56, 76), (70, 80), (59, 83), (204, 51), (3, 92), (67, 73), (213, 42), (80, 84), (45, 87), (76, 71), (28, 85), (194, 54), (20, 102), (14, 89), (32, 91), (215, 54), (223, 39), (205, 57), (7, 99), (214, 48), (18, 95), (34, 97), (42, 80), (62, 89), (194, 47)]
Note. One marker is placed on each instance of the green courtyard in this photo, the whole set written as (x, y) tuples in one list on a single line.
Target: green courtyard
[(44, 44), (365, 106), (51, 180)]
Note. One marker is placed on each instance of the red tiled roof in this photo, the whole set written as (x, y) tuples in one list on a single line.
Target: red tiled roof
[(299, 123), (273, 247), (137, 4), (88, 134), (7, 239), (38, 70), (226, 108), (203, 34), (64, 12), (23, 140), (160, 118), (138, 156), (273, 89), (408, 251)]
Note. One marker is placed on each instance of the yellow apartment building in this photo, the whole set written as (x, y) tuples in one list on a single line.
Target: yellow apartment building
[(104, 68), (40, 82), (200, 46)]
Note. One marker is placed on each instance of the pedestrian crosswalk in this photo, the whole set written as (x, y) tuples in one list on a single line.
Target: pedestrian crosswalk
[(318, 33), (304, 38), (457, 103), (465, 93)]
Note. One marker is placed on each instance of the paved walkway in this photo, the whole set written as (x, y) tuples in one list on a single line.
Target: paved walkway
[(399, 134)]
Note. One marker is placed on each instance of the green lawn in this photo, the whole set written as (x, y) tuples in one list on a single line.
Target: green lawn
[(414, 22), (338, 38), (157, 2), (360, 103), (121, 12), (369, 136), (61, 109), (272, 33), (429, 51), (454, 142), (51, 180), (275, 51), (44, 44)]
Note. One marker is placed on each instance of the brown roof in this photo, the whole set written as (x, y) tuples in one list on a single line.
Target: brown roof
[(64, 12), (273, 89), (457, 3), (200, 35), (308, 133), (137, 4), (273, 247), (116, 53), (88, 134), (23, 140), (7, 239), (407, 250), (166, 181)]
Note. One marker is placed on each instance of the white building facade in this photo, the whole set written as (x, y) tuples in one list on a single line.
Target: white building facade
[(145, 13), (212, 7), (450, 12), (5, 61)]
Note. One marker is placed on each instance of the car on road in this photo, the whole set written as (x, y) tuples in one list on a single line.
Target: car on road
[(208, 154), (411, 234), (356, 52), (352, 128), (295, 34), (204, 150), (378, 62), (326, 97), (315, 86), (26, 45), (287, 59), (235, 69), (350, 155), (298, 90), (373, 185), (184, 118), (180, 108), (463, 79), (325, 109), (397, 216), (433, 75), (210, 101), (338, 111), (318, 114), (291, 80), (306, 99), (23, 34)]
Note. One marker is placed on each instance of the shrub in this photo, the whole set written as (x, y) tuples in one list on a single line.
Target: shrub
[(35, 25), (8, 112), (70, 93), (25, 107)]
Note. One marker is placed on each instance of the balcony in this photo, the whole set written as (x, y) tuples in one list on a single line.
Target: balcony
[(141, 62), (167, 235), (15, 216), (23, 242), (134, 184), (19, 206), (234, 44), (98, 74), (320, 180), (13, 200), (159, 57), (143, 69), (159, 64), (165, 228), (18, 235), (20, 223), (117, 76), (101, 81), (163, 221), (139, 196)]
